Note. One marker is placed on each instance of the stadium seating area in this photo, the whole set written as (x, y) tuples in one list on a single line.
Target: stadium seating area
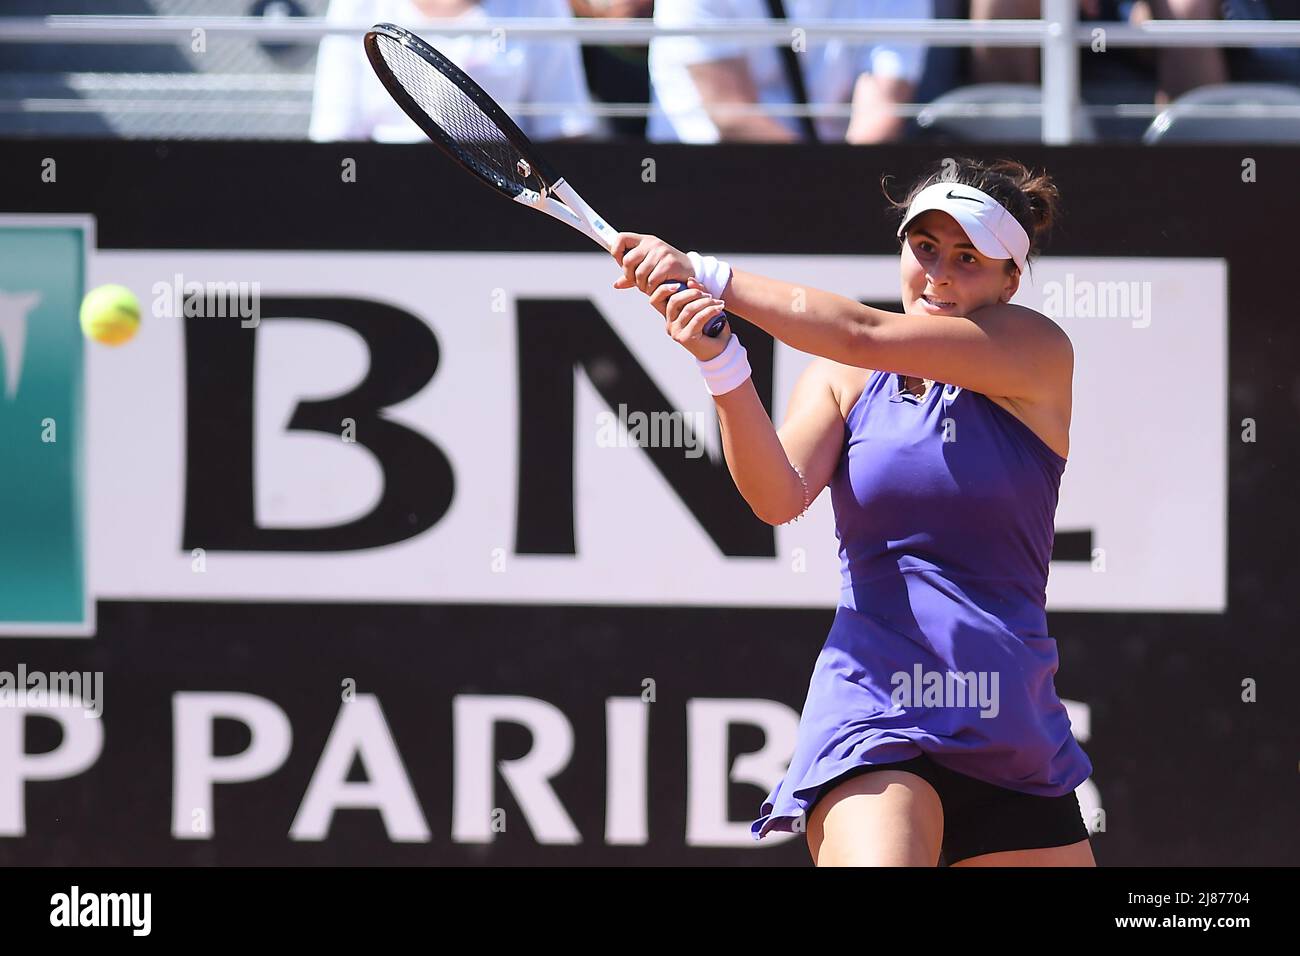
[(246, 88)]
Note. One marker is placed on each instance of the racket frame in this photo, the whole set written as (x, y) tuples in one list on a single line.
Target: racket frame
[(570, 208)]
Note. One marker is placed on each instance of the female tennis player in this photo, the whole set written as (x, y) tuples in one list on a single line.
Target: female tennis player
[(932, 731)]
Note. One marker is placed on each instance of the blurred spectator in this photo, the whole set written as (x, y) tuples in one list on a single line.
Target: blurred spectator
[(618, 74), (350, 103), (692, 77), (1185, 69), (618, 9), (946, 67), (1021, 64)]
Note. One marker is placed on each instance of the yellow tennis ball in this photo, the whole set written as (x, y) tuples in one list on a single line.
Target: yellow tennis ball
[(110, 314)]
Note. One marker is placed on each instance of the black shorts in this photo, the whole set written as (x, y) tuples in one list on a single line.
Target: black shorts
[(981, 817)]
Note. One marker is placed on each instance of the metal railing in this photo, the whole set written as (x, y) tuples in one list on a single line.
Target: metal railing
[(1059, 35)]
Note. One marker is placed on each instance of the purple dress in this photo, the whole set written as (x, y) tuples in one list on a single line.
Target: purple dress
[(944, 508)]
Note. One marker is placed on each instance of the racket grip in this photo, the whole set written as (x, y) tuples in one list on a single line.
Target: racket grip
[(714, 328)]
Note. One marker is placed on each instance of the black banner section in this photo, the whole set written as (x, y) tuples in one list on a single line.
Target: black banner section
[(433, 705)]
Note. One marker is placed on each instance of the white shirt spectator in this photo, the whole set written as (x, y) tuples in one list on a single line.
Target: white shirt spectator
[(349, 102), (830, 69)]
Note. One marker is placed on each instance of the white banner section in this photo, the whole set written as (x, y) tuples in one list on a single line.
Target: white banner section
[(1146, 476)]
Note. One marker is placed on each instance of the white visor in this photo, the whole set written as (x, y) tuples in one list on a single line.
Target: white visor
[(991, 229)]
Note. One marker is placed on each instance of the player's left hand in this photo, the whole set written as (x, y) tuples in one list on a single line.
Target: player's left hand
[(648, 262), (688, 309)]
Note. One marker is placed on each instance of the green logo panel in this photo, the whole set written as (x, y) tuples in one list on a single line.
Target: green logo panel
[(42, 526)]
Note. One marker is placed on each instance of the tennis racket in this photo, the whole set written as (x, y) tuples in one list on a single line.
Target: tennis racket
[(479, 135)]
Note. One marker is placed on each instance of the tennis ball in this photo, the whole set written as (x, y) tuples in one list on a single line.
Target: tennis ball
[(110, 314)]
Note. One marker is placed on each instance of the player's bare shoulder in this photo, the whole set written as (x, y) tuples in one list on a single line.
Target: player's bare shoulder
[(1033, 322)]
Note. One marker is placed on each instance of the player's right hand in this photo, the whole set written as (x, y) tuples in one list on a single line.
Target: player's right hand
[(648, 261)]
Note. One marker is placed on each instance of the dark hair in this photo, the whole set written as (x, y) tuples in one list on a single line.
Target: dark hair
[(1030, 196)]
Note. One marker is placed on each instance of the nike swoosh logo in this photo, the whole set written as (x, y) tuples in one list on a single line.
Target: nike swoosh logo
[(953, 195)]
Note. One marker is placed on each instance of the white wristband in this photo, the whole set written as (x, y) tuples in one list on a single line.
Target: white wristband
[(710, 272), (727, 370)]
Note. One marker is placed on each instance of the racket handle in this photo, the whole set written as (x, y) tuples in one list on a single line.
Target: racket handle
[(715, 326)]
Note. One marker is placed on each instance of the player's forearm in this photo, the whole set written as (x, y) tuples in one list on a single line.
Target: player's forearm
[(810, 320), (755, 456)]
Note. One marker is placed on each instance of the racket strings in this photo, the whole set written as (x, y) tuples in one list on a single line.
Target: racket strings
[(471, 131)]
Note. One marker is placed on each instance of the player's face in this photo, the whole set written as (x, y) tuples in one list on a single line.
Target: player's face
[(943, 274)]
